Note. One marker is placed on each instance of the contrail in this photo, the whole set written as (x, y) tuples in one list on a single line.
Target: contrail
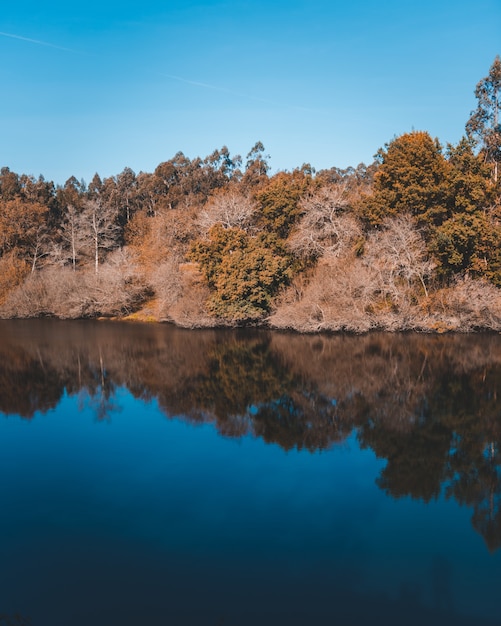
[(229, 91), (36, 41), (197, 83)]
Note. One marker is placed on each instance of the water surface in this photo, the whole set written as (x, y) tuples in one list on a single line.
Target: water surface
[(151, 475)]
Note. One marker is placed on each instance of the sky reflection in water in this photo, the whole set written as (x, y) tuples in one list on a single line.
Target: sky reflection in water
[(123, 504)]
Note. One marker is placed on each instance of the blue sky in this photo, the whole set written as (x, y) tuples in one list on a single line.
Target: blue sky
[(101, 85)]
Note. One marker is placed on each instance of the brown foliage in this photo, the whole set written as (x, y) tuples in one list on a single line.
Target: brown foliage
[(189, 309), (279, 201), (155, 239), (62, 292), (386, 288), (336, 298), (13, 270), (412, 178), (467, 305), (21, 227)]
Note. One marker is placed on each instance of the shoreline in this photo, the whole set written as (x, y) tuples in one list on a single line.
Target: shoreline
[(137, 318)]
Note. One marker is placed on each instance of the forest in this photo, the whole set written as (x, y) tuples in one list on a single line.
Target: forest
[(410, 242)]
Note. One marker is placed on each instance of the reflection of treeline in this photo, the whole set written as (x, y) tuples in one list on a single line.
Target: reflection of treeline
[(412, 241), (215, 375), (428, 405)]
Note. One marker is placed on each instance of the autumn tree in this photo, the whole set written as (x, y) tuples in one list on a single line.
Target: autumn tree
[(168, 186), (470, 187), (256, 167), (355, 181), (165, 236), (39, 190), (278, 201), (72, 193), (468, 240), (126, 190), (243, 272), (95, 187), (449, 196), (411, 178), (484, 125), (13, 270), (9, 184), (23, 227)]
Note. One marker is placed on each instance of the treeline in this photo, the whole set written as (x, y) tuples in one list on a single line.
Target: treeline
[(412, 241)]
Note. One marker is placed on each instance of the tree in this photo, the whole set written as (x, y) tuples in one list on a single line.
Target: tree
[(469, 242), (99, 232), (256, 167), (37, 190), (95, 187), (484, 125), (325, 228), (355, 180), (398, 257), (13, 271), (470, 188), (242, 272), (228, 207), (70, 232), (9, 184), (278, 201), (221, 167), (411, 178), (126, 187), (23, 226), (72, 193)]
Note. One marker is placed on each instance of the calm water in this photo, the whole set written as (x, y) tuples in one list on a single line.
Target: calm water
[(153, 476)]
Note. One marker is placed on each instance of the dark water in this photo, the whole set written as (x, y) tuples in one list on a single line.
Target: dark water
[(153, 476)]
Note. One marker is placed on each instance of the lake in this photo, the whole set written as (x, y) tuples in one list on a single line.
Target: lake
[(152, 476)]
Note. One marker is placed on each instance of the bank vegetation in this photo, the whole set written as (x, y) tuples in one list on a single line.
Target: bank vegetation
[(409, 242)]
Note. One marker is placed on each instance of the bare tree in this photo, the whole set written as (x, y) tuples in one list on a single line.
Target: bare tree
[(70, 232), (40, 245), (230, 208), (466, 305), (339, 296), (167, 282), (98, 230), (118, 289), (325, 229), (398, 255)]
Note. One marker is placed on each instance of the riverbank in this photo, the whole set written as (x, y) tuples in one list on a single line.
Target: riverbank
[(344, 294)]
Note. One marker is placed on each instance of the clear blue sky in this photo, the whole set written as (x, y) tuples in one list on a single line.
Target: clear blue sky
[(104, 84)]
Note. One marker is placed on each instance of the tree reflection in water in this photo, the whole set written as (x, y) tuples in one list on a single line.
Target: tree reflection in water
[(428, 405)]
